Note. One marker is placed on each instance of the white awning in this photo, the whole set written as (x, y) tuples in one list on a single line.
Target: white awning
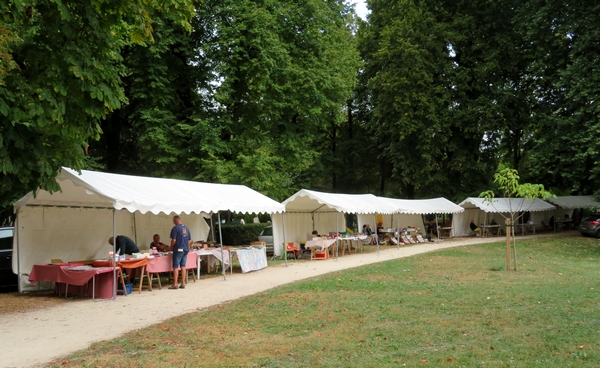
[(146, 194), (423, 206), (309, 201), (501, 205), (571, 202)]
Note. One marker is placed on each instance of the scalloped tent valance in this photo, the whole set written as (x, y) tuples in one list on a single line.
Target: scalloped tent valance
[(146, 194)]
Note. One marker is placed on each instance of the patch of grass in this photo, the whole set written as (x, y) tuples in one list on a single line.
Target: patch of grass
[(439, 309)]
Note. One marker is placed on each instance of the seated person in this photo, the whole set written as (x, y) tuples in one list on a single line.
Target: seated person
[(367, 230), (160, 246), (474, 228), (315, 234), (379, 227), (432, 229), (124, 245), (493, 222)]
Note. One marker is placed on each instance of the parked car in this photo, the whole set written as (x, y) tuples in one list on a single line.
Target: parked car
[(590, 225), (266, 236), (8, 280)]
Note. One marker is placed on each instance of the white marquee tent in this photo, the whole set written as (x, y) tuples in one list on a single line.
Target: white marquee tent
[(76, 222), (409, 211), (481, 210), (573, 202), (565, 206), (309, 210)]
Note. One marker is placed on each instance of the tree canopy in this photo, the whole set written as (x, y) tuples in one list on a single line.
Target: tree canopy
[(424, 98)]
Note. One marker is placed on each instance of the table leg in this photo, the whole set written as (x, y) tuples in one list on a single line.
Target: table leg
[(198, 267), (94, 287), (66, 291)]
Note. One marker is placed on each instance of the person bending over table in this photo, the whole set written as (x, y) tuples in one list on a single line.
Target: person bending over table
[(124, 245), (315, 234), (474, 228), (160, 246), (181, 239), (432, 230)]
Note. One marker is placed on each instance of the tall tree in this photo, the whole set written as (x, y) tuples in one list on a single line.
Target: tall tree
[(282, 71), (60, 75), (566, 153)]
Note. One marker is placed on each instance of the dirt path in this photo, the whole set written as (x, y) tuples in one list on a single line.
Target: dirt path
[(36, 337)]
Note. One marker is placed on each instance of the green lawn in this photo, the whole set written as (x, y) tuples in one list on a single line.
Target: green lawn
[(448, 308)]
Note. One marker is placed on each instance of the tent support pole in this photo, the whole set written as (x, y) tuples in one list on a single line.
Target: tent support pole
[(437, 227), (398, 232), (284, 243), (212, 227), (376, 235), (114, 297), (484, 224), (337, 231), (222, 257), (134, 228), (18, 251)]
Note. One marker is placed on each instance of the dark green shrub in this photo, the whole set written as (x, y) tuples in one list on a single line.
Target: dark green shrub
[(237, 234)]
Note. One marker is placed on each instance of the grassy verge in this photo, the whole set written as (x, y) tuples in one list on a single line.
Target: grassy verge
[(449, 308)]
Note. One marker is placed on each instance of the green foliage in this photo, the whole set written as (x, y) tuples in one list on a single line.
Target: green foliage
[(238, 234), (508, 184), (60, 73)]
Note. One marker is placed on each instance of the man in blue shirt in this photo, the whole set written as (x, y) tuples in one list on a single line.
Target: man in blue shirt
[(181, 239)]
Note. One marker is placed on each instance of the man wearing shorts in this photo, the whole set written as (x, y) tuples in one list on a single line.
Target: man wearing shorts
[(180, 243)]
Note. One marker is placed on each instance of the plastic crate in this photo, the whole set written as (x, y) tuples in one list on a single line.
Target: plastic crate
[(128, 288), (322, 255)]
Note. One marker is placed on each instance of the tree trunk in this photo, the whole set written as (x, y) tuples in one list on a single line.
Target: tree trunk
[(508, 233)]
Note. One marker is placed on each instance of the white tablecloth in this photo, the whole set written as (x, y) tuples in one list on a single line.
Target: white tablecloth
[(321, 244)]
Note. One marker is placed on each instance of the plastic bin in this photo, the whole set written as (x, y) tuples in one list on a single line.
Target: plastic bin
[(128, 288)]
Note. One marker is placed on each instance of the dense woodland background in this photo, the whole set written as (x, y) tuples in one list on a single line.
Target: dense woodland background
[(425, 98)]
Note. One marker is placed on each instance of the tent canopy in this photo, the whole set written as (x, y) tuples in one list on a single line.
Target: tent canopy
[(75, 223), (309, 201), (145, 194), (572, 202), (423, 206), (502, 205)]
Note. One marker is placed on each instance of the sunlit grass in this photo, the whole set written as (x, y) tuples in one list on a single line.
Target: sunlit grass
[(449, 308)]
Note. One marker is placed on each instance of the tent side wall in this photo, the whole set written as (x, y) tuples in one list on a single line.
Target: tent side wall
[(148, 224), (72, 234), (461, 221), (69, 234), (391, 221), (299, 226), (538, 217)]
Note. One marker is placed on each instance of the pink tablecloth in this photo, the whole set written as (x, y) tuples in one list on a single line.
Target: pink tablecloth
[(165, 263), (80, 282)]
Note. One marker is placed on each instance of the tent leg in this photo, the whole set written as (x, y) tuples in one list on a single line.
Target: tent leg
[(484, 224), (284, 243), (18, 251), (376, 235), (337, 231), (134, 228), (437, 227), (222, 257), (212, 227), (115, 256), (398, 232)]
